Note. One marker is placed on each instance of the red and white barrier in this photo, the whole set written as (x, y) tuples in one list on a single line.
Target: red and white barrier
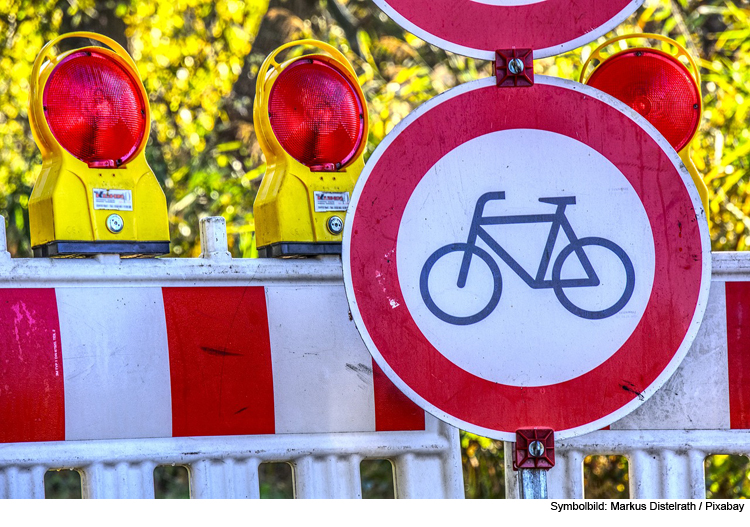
[(96, 360), (132, 362)]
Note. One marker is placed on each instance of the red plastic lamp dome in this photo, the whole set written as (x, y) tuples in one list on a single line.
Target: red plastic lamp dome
[(316, 114), (95, 109), (657, 86)]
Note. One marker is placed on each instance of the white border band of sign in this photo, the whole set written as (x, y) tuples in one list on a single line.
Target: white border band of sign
[(490, 55), (705, 259)]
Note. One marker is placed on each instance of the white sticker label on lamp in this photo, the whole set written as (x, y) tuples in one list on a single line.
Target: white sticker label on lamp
[(331, 201), (113, 199)]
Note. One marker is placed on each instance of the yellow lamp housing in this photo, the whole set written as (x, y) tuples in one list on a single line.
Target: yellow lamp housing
[(90, 118), (311, 122), (663, 85)]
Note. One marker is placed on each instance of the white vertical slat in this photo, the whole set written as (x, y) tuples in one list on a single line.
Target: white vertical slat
[(224, 478), (115, 362), (208, 479), (565, 479), (645, 475), (511, 476), (697, 474), (418, 477), (120, 480), (322, 372), (450, 461), (4, 480), (22, 482), (327, 477), (682, 473), (675, 473), (245, 483)]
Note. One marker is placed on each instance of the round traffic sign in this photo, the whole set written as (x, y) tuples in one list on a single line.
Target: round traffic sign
[(477, 28), (526, 257)]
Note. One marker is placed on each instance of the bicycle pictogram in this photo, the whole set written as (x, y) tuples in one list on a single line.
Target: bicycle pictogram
[(558, 221)]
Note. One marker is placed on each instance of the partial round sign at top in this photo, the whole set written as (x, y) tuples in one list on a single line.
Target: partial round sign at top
[(526, 257), (477, 28)]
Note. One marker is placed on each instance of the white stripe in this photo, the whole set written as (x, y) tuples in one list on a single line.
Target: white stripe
[(697, 396), (322, 372), (115, 362)]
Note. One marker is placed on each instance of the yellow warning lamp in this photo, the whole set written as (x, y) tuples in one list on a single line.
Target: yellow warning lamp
[(311, 121), (90, 117), (663, 85)]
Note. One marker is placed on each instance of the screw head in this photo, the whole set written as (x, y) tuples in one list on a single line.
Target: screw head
[(516, 66), (536, 449), (335, 225), (115, 223)]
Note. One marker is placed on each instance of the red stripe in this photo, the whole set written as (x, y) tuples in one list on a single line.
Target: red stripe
[(738, 349), (393, 410), (32, 396), (220, 361)]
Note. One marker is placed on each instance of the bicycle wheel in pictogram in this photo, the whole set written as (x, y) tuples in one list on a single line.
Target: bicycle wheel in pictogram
[(615, 258), (483, 256)]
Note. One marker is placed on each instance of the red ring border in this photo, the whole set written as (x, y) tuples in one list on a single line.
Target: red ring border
[(489, 27), (485, 404)]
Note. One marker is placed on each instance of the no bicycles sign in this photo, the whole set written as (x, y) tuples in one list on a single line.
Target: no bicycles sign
[(527, 257)]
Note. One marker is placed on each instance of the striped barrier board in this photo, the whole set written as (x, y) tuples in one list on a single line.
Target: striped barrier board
[(114, 367), (116, 349), (119, 360)]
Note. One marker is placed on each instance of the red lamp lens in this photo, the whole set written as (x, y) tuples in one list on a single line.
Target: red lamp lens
[(316, 114), (94, 108), (655, 85)]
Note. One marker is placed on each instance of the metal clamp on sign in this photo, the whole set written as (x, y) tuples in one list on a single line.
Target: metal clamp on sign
[(90, 117), (311, 121)]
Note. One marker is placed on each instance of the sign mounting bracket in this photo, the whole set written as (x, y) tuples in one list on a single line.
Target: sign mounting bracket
[(533, 456), (514, 68)]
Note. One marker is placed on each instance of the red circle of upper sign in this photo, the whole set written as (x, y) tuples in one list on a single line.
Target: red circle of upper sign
[(477, 28), (443, 384)]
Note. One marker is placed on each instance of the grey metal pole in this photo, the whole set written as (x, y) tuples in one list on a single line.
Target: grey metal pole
[(532, 484), (532, 477)]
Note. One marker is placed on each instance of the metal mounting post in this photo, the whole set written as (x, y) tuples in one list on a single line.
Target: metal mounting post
[(4, 254), (534, 455), (214, 246)]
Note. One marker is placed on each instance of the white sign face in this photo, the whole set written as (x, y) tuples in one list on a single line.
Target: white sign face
[(529, 337), (477, 28), (526, 257)]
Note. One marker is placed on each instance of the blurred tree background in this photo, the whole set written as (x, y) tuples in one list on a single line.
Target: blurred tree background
[(198, 62)]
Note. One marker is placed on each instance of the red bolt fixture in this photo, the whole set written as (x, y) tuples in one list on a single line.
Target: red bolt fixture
[(535, 448), (508, 73)]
